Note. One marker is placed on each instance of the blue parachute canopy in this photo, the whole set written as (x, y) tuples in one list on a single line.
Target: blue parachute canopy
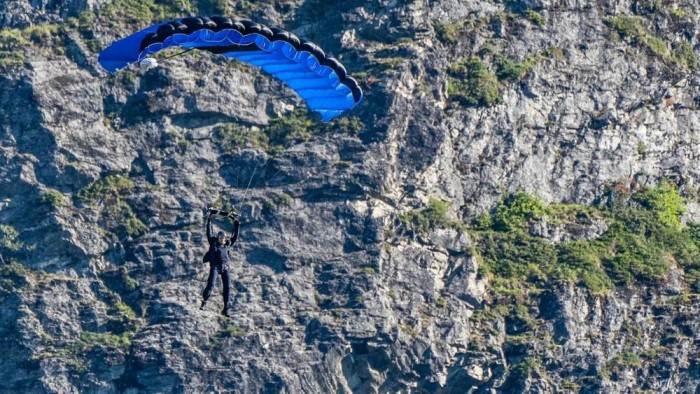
[(321, 81)]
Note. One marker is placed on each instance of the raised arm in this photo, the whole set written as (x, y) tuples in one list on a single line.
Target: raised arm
[(210, 230), (234, 233)]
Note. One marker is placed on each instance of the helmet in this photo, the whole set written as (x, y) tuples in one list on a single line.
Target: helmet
[(148, 63), (220, 234)]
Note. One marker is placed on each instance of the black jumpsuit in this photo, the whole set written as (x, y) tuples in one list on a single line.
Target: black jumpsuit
[(218, 262)]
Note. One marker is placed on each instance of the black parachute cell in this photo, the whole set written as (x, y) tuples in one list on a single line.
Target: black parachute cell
[(351, 83), (208, 23), (179, 26), (280, 36), (238, 25), (165, 31), (266, 32), (294, 40), (222, 22), (277, 30), (336, 66), (251, 27), (312, 49), (193, 24), (150, 38)]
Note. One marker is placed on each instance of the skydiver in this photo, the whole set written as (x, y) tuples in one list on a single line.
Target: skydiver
[(218, 258)]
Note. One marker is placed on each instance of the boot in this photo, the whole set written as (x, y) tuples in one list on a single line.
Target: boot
[(225, 311), (201, 307)]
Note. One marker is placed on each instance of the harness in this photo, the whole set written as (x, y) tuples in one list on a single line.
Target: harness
[(217, 255)]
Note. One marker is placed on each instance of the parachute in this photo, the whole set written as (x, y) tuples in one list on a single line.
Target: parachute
[(321, 81)]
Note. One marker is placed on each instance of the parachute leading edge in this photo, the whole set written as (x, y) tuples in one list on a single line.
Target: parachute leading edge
[(321, 81), (125, 51)]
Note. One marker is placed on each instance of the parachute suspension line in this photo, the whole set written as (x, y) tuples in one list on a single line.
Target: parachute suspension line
[(273, 177), (245, 195), (178, 54)]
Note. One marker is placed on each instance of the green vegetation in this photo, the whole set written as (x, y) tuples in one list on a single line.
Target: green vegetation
[(525, 367), (692, 276), (554, 52), (232, 331), (434, 215), (535, 17), (79, 367), (351, 125), (124, 12), (125, 310), (53, 198), (90, 340), (110, 196), (687, 55), (49, 40), (665, 202), (111, 188), (130, 283), (300, 125), (516, 255), (279, 200), (11, 59), (516, 210), (569, 385), (678, 13), (368, 271), (580, 261), (653, 353), (508, 70), (448, 33), (13, 267), (521, 313), (641, 148), (39, 34), (410, 330), (284, 199), (13, 39), (626, 359), (630, 28), (14, 275), (15, 44), (134, 226), (472, 83), (231, 136), (627, 26), (8, 239), (297, 126), (644, 237)]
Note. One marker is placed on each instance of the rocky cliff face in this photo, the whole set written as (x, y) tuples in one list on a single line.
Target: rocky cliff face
[(344, 282)]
